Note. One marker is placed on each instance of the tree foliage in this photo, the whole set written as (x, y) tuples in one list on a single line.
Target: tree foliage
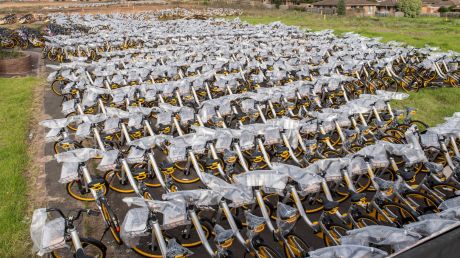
[(341, 9), (410, 8)]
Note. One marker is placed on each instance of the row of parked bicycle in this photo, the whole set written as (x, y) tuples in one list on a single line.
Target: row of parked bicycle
[(213, 131), (23, 19)]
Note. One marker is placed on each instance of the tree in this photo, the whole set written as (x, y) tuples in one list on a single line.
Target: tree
[(410, 8), (341, 9)]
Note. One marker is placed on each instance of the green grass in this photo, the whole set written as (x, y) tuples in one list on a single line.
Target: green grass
[(15, 105), (432, 104), (434, 31), (10, 54)]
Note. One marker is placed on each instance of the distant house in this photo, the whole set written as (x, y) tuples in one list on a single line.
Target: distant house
[(432, 6), (360, 7)]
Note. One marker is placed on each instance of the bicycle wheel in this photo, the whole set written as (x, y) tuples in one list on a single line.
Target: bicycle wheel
[(364, 221), (447, 190), (297, 246), (425, 203), (397, 214), (112, 221), (264, 251), (77, 191), (56, 87), (91, 248), (420, 125), (113, 178), (60, 147), (335, 232)]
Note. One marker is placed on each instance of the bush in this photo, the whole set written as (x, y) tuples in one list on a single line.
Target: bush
[(410, 8), (443, 9), (341, 9), (278, 3)]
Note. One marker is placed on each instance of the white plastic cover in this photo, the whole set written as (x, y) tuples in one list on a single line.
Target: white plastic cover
[(429, 226), (134, 226), (46, 235), (269, 179), (348, 251), (381, 235), (238, 194), (199, 197), (78, 155)]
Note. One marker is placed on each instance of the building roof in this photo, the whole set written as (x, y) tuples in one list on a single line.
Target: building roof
[(347, 2), (440, 3), (437, 3)]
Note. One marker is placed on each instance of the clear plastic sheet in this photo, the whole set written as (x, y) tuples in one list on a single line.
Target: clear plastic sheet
[(78, 155), (238, 194), (83, 131), (348, 251), (381, 236), (69, 172), (108, 161), (429, 226), (284, 212), (197, 197), (378, 154), (111, 125), (270, 180), (222, 234), (308, 181), (46, 235), (134, 226), (253, 222), (450, 203), (174, 249)]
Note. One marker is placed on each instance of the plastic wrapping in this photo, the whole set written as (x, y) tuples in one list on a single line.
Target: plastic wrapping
[(238, 194), (378, 154), (253, 222), (348, 251), (46, 235), (222, 234), (83, 131), (308, 181), (197, 197), (270, 180), (108, 161), (381, 235), (111, 125), (174, 249), (78, 155), (69, 172), (284, 212), (134, 226), (329, 167), (450, 203), (429, 226)]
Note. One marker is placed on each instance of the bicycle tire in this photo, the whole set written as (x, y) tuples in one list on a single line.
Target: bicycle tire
[(112, 220), (297, 245), (88, 243)]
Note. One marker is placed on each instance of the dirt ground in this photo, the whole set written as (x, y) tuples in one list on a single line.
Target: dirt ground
[(69, 7)]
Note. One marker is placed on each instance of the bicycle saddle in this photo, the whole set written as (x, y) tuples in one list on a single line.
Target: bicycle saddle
[(330, 205), (355, 197)]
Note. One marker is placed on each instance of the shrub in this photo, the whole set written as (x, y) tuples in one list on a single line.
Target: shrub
[(341, 9), (278, 3), (410, 8)]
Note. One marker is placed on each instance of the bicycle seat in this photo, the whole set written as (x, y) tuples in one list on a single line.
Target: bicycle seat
[(363, 127), (355, 197), (386, 117), (330, 205), (96, 181), (137, 171), (380, 123), (349, 133), (407, 174)]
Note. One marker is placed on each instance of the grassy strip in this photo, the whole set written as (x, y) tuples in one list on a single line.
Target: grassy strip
[(434, 31), (15, 104), (432, 104)]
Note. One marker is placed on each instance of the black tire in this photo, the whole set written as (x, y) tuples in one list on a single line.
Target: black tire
[(91, 247)]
